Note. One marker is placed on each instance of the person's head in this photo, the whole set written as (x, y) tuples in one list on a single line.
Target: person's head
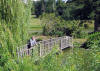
[(33, 37)]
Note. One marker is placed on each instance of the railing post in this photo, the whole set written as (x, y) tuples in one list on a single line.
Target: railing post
[(50, 44), (40, 50), (72, 42), (18, 52), (60, 43)]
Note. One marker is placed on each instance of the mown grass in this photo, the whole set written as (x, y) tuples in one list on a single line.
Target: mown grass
[(35, 27), (35, 24)]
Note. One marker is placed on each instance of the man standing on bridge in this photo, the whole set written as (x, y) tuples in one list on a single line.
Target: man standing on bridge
[(32, 42)]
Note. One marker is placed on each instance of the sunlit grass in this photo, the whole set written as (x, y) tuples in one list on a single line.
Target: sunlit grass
[(35, 24), (35, 27), (79, 40)]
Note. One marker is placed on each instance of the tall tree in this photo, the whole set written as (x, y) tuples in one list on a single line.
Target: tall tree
[(97, 17), (54, 5), (50, 6), (59, 8), (43, 5), (38, 8)]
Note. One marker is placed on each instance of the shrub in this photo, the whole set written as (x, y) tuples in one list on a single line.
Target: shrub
[(93, 41), (53, 25)]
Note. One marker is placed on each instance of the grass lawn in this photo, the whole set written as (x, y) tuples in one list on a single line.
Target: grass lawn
[(35, 29), (78, 42), (35, 26), (90, 26)]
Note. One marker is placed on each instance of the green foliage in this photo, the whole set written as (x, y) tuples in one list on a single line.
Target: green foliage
[(37, 7), (73, 9), (82, 60), (75, 59), (53, 25), (33, 8), (50, 62), (25, 64), (66, 10), (93, 41), (4, 56), (84, 9), (14, 18), (50, 6), (50, 24), (43, 6)]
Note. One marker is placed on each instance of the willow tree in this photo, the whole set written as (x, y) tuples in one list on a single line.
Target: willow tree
[(14, 19)]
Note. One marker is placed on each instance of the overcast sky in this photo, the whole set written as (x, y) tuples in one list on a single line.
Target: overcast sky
[(25, 1), (64, 0)]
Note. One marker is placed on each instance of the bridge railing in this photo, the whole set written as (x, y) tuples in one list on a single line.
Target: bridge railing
[(45, 46)]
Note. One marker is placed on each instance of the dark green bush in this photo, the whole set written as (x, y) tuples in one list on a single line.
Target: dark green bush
[(93, 41)]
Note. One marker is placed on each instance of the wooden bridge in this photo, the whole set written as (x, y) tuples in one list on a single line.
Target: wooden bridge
[(44, 47)]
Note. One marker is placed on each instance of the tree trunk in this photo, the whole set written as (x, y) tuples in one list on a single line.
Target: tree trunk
[(97, 21)]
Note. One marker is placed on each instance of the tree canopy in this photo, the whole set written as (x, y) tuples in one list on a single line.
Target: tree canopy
[(72, 9)]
